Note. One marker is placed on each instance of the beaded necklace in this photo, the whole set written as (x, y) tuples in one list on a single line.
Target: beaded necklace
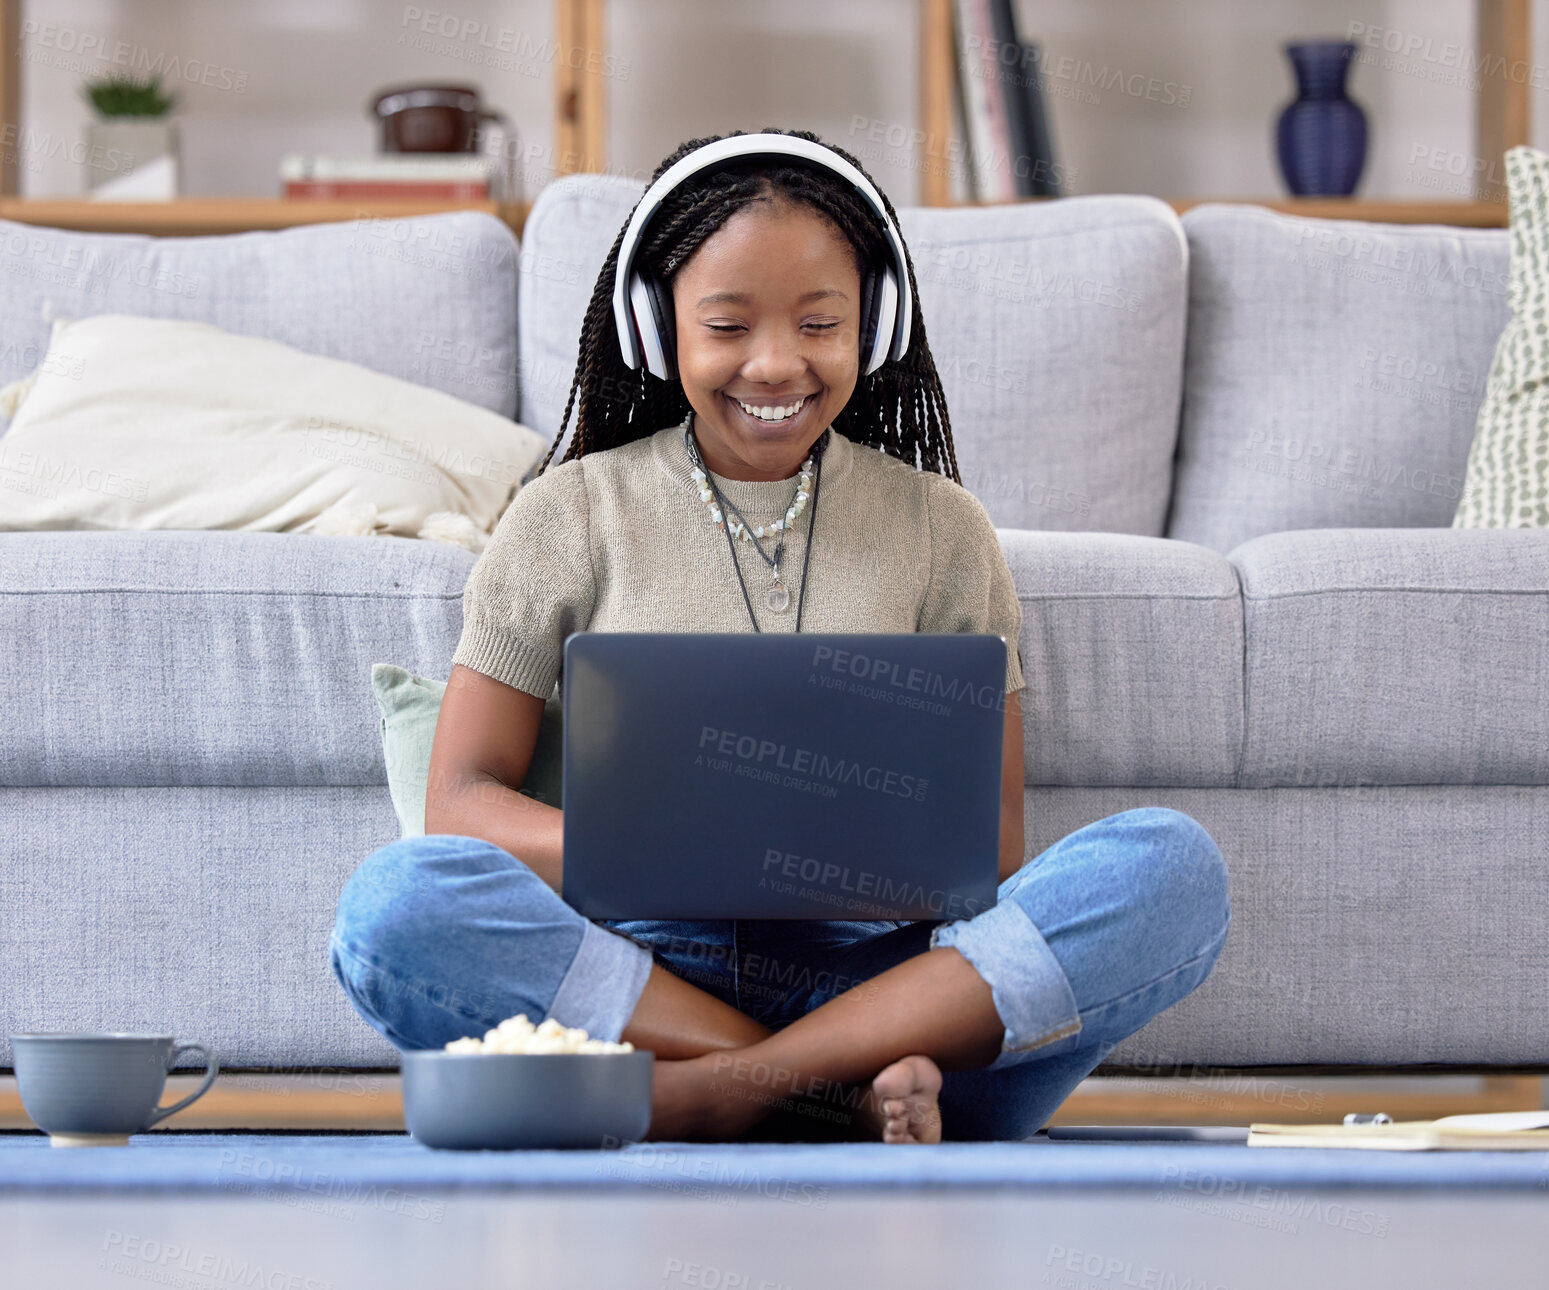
[(777, 596)]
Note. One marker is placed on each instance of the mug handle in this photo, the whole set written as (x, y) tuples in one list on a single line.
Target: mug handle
[(212, 1070)]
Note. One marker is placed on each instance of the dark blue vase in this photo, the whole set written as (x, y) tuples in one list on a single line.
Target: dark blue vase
[(1322, 134)]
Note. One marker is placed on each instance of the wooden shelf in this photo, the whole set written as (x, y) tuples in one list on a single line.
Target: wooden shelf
[(197, 216), (1460, 214), (201, 216), (1467, 214)]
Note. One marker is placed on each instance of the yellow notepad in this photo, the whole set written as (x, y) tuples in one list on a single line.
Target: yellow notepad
[(1497, 1131)]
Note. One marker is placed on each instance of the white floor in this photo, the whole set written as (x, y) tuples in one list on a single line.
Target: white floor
[(1073, 1241)]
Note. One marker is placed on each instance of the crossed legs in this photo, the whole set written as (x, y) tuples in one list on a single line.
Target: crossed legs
[(994, 1021)]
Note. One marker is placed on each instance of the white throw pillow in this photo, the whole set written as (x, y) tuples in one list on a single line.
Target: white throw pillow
[(147, 423)]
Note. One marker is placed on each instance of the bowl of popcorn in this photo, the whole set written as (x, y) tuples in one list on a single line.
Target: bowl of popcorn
[(527, 1086)]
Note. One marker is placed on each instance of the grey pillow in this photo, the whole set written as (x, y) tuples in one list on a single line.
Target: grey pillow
[(410, 705)]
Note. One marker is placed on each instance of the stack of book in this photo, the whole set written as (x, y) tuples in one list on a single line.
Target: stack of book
[(453, 176), (1000, 98)]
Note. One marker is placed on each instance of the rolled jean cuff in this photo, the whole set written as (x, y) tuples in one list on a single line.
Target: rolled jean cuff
[(1032, 994), (603, 983)]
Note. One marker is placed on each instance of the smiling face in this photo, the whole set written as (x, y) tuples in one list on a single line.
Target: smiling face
[(768, 315)]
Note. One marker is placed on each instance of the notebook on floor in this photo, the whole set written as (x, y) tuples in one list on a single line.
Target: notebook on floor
[(814, 776), (1489, 1131)]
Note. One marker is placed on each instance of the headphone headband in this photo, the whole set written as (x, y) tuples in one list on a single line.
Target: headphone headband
[(626, 286)]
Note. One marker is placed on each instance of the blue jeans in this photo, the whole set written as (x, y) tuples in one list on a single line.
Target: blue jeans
[(443, 936)]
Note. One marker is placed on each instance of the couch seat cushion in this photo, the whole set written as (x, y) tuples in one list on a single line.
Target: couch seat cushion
[(1132, 653), (1396, 656), (220, 658)]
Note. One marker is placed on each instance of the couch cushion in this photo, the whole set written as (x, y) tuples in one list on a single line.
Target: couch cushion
[(187, 658), (1396, 656), (197, 912), (1334, 372), (1132, 652), (1370, 927), (1057, 331), (428, 298)]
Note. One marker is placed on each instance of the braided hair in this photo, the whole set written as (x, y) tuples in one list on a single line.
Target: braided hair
[(899, 408)]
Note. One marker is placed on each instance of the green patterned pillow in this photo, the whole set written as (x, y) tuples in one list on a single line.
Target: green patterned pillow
[(410, 705), (1507, 484)]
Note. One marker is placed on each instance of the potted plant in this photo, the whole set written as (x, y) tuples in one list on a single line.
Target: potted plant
[(131, 150)]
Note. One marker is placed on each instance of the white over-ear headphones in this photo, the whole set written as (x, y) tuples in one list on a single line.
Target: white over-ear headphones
[(642, 307)]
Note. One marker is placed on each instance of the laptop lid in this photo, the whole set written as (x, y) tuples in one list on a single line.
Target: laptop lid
[(816, 776)]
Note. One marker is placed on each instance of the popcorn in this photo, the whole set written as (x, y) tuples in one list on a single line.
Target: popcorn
[(518, 1035)]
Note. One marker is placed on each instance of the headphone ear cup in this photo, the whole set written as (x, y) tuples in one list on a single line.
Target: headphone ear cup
[(643, 314), (868, 328), (887, 318), (660, 295)]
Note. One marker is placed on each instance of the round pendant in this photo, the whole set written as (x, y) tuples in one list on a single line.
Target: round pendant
[(778, 598)]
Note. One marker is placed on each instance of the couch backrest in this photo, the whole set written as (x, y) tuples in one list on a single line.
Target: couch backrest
[(1057, 331), (430, 299), (1334, 372)]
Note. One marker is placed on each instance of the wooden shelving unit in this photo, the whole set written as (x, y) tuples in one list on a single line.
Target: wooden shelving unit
[(1502, 28), (580, 139), (195, 216)]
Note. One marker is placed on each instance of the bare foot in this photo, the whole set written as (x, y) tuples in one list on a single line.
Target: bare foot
[(905, 1095), (713, 1098)]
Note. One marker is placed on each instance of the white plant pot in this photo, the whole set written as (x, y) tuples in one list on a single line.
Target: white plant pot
[(132, 160)]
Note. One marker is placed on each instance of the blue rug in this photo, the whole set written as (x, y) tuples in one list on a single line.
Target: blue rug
[(323, 1164)]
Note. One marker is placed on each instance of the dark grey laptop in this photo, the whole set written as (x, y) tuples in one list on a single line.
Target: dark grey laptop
[(743, 775)]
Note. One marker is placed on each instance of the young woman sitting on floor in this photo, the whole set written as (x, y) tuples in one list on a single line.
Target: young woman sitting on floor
[(777, 362)]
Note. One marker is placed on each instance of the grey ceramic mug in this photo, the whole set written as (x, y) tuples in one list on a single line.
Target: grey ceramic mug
[(96, 1089)]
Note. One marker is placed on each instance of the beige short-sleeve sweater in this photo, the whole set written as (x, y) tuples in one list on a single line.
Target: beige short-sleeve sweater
[(619, 541)]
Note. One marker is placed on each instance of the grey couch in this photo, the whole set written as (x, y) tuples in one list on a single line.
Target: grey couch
[(1223, 455)]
